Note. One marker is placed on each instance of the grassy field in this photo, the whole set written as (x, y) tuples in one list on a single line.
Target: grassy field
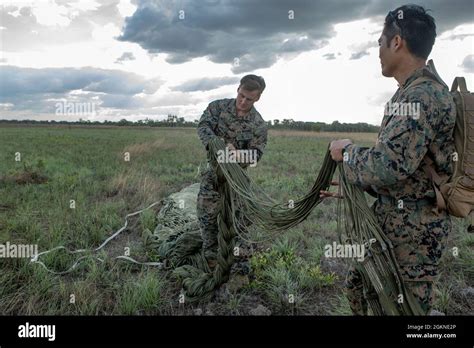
[(87, 165)]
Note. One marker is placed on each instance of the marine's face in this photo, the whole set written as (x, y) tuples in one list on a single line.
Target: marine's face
[(246, 99), (385, 55), (389, 54)]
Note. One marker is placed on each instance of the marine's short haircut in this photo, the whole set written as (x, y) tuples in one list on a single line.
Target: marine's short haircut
[(252, 83), (415, 26)]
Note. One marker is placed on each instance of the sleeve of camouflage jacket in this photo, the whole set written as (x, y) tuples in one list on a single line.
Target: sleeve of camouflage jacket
[(260, 140), (208, 123), (400, 147)]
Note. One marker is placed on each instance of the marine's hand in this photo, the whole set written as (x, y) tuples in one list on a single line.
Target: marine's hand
[(336, 148), (327, 194)]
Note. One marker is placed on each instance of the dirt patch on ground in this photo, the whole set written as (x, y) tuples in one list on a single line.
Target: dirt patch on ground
[(5, 207), (23, 178)]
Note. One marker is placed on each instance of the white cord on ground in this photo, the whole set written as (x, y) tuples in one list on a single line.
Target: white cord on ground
[(35, 259)]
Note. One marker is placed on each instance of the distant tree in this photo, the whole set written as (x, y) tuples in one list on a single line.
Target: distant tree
[(122, 122), (172, 118)]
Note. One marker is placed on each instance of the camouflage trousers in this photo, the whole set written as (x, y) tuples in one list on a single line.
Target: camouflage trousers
[(419, 237), (208, 207)]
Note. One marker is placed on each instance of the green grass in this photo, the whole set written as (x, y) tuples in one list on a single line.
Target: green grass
[(87, 165), (285, 278)]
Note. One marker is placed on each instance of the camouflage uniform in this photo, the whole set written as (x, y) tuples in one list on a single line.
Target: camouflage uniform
[(392, 169), (247, 132)]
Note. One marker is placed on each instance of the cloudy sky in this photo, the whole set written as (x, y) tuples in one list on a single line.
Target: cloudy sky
[(147, 58)]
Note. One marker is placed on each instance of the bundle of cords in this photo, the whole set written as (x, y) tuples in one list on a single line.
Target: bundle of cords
[(242, 204), (379, 268)]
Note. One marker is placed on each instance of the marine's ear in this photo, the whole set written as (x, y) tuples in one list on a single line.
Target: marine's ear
[(397, 42)]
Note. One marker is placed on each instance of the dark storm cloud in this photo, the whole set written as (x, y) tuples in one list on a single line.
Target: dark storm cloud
[(205, 84), (16, 80), (26, 88), (253, 34), (247, 34)]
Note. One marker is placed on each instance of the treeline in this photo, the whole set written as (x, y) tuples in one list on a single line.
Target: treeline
[(336, 126), (174, 121), (170, 121)]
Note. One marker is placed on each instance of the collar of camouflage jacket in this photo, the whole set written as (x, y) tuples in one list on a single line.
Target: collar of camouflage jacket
[(250, 116), (423, 71)]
